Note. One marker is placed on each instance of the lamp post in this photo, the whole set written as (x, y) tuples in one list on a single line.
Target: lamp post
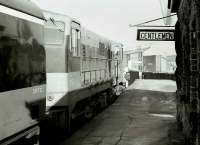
[(117, 48)]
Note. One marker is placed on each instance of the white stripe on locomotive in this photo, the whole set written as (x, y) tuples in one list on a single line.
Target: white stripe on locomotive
[(20, 15)]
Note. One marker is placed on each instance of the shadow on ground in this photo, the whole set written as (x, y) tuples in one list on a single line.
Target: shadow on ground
[(174, 137)]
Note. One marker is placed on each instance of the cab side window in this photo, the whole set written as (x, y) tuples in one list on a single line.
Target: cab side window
[(75, 47), (54, 32)]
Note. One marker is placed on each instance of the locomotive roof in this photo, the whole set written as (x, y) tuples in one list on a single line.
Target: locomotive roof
[(61, 14), (25, 6)]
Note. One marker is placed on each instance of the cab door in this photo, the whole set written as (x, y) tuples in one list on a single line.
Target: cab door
[(74, 55)]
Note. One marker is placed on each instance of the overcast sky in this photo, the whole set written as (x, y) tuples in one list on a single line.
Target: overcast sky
[(109, 18)]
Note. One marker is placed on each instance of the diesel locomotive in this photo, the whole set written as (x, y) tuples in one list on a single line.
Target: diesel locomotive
[(51, 68)]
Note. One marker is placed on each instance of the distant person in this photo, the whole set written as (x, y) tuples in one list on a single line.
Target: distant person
[(119, 89), (126, 78)]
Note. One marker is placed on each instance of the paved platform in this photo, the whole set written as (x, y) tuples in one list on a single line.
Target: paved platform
[(143, 115)]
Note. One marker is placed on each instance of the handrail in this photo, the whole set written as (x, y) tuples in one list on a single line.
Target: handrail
[(97, 58), (90, 73), (92, 70)]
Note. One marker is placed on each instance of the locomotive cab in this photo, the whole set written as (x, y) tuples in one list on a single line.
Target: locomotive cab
[(62, 44)]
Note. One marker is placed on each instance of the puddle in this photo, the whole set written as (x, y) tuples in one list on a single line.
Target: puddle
[(163, 115)]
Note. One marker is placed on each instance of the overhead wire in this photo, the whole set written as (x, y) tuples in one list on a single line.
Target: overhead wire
[(142, 24)]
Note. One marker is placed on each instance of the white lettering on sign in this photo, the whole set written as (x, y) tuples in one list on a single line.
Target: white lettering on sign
[(155, 35)]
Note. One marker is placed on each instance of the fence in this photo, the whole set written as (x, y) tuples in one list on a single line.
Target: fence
[(149, 75), (158, 76)]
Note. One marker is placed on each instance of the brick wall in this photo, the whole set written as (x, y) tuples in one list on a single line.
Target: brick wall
[(187, 74)]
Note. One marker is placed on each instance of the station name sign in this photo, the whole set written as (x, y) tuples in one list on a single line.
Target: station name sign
[(155, 35)]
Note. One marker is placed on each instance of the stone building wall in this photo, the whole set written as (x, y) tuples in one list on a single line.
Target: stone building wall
[(187, 44)]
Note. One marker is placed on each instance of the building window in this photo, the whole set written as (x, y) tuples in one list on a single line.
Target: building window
[(140, 56), (128, 57), (83, 50), (101, 48), (140, 68), (75, 42)]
